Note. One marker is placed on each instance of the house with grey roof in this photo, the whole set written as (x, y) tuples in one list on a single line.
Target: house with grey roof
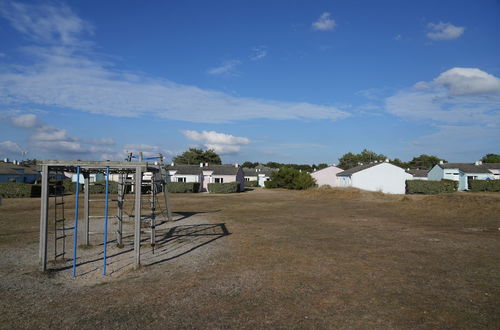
[(10, 172), (418, 174), (205, 174), (377, 176), (461, 172), (260, 174)]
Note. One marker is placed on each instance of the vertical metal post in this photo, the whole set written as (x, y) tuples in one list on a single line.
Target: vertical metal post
[(137, 216), (121, 193), (106, 221), (153, 211), (75, 230), (86, 215), (44, 218)]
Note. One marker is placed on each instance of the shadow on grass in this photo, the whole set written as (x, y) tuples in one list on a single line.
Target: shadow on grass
[(171, 243)]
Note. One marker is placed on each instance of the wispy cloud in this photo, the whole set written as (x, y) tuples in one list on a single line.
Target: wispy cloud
[(220, 142), (9, 148), (258, 53), (46, 23), (324, 23), (228, 68), (64, 76), (444, 31)]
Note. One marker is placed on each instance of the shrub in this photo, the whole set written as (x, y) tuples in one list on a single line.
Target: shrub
[(99, 187), (251, 183), (484, 185), (290, 178), (430, 187), (224, 188), (13, 190), (183, 187)]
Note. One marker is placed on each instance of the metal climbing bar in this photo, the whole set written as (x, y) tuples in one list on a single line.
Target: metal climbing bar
[(106, 221), (75, 231)]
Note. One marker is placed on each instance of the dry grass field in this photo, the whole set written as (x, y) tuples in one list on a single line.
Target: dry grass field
[(322, 259)]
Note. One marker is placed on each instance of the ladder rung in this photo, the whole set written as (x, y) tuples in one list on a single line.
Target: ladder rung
[(97, 200), (60, 203), (60, 220), (60, 255), (59, 237), (95, 216)]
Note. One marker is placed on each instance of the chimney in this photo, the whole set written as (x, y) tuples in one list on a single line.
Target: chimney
[(478, 162), (441, 162), (236, 165), (172, 164), (201, 164), (206, 164), (387, 160)]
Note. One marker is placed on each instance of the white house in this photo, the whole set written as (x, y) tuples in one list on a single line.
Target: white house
[(327, 176), (205, 174), (461, 172), (384, 177), (494, 168)]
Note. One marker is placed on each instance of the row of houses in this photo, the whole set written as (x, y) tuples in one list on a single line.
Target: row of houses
[(389, 178), (206, 173)]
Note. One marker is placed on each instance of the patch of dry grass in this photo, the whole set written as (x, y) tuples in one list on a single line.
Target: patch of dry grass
[(322, 258)]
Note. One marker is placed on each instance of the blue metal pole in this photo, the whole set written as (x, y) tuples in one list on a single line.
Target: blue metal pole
[(106, 221), (75, 230)]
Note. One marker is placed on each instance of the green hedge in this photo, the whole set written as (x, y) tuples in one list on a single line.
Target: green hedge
[(251, 183), (16, 190), (183, 187), (224, 188), (430, 187), (484, 185)]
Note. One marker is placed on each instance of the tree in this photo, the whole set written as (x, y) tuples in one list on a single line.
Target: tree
[(321, 166), (195, 156), (250, 164), (290, 178), (350, 160), (491, 158), (400, 163), (424, 162)]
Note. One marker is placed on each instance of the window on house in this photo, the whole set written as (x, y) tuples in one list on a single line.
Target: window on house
[(247, 179), (181, 179), (219, 180)]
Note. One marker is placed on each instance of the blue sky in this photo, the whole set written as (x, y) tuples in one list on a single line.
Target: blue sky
[(287, 81)]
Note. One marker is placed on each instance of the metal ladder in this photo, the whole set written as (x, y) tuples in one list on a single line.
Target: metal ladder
[(59, 221)]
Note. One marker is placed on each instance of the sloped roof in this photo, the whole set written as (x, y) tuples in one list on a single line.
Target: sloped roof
[(418, 173), (9, 168), (358, 169), (185, 169), (258, 170), (492, 166), (197, 170), (466, 167)]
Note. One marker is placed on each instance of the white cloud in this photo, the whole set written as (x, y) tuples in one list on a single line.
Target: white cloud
[(324, 22), (469, 81), (220, 142), (26, 121), (444, 31), (54, 141), (66, 76), (258, 53), (227, 68), (398, 37), (46, 23), (9, 148), (458, 96)]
